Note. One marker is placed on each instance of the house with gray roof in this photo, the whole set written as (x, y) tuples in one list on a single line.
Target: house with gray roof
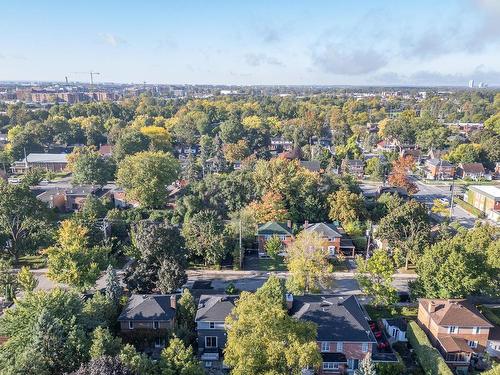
[(273, 228), (210, 328), (335, 238), (48, 162), (147, 320), (344, 333)]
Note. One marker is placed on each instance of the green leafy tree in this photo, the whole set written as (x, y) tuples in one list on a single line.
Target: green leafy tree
[(289, 345), (146, 175), (89, 167), (204, 235), (465, 153), (114, 290), (375, 168), (463, 265), (106, 365), (72, 260), (273, 290), (171, 275), (186, 310), (346, 206), (45, 334), (308, 264), (23, 219), (104, 343), (407, 230), (139, 363), (8, 280), (100, 311), (179, 359), (375, 277), (274, 247), (26, 280), (159, 252)]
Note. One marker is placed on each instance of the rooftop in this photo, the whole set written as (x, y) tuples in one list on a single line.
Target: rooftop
[(490, 191), (338, 318), (324, 230), (215, 308), (456, 312), (148, 307), (46, 158), (273, 227)]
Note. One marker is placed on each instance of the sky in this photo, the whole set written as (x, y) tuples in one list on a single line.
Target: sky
[(250, 42)]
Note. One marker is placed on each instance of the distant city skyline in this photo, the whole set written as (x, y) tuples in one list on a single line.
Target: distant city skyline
[(318, 42)]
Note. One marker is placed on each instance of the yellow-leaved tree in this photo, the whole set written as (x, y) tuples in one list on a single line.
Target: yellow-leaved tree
[(308, 263)]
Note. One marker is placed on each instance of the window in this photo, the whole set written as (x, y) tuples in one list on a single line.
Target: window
[(211, 325), (208, 364), (330, 366), (352, 364), (476, 330), (452, 329), (159, 342), (130, 325), (472, 344), (210, 342), (340, 347), (325, 346), (364, 347), (331, 250), (156, 324), (282, 237)]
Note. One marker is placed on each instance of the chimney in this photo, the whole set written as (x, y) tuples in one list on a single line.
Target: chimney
[(306, 224), (289, 223), (431, 307), (173, 301), (289, 301)]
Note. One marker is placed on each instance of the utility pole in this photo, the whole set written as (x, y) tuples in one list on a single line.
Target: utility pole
[(241, 247), (452, 191)]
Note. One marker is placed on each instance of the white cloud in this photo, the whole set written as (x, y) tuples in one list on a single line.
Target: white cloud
[(334, 59), (112, 39), (256, 59)]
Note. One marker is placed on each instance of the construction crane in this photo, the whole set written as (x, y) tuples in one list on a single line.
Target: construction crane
[(92, 74)]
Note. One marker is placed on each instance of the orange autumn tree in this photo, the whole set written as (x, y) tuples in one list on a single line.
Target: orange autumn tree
[(270, 208), (399, 175)]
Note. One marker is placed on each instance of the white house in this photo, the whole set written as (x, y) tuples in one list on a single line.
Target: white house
[(396, 329)]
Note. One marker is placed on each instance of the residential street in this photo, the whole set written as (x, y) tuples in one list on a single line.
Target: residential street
[(427, 193)]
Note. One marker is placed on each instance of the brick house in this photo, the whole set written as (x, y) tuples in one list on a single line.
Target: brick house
[(210, 328), (335, 239), (456, 328), (474, 171), (439, 169), (147, 321), (273, 228), (344, 335), (47, 162), (355, 167), (485, 198)]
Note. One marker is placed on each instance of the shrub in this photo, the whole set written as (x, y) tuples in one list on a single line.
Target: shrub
[(429, 358), (390, 368)]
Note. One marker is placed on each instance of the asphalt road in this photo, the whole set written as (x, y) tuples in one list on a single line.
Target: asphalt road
[(427, 193)]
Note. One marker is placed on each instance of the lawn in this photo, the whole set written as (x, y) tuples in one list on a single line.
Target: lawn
[(340, 265), (32, 261), (379, 312), (269, 264)]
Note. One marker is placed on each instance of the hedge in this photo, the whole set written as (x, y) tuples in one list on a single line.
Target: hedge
[(429, 358), (469, 208)]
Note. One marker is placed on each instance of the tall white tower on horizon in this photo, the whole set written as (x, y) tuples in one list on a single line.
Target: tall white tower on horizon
[(471, 83)]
